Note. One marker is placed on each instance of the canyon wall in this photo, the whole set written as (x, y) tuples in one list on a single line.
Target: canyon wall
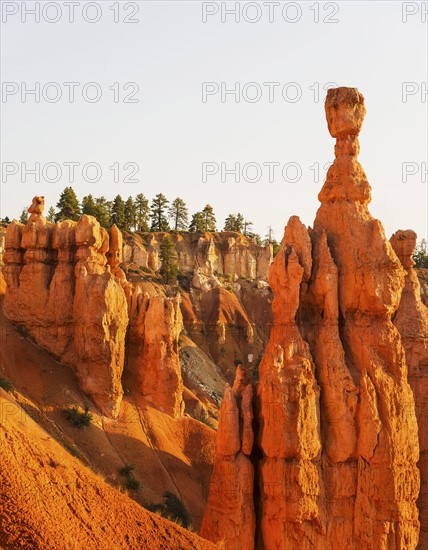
[(223, 253), (336, 442), (94, 299), (66, 290)]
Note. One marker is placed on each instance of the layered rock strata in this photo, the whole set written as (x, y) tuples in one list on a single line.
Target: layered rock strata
[(206, 254)]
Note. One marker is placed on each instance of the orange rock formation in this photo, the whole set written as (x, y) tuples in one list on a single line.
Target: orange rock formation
[(230, 510), (411, 320), (66, 289), (336, 423)]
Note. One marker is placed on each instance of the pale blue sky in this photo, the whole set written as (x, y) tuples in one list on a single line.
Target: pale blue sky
[(170, 132)]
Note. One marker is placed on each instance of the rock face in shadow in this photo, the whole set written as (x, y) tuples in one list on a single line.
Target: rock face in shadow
[(411, 321), (230, 511), (337, 438)]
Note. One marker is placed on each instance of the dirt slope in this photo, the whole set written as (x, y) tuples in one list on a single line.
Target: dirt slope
[(49, 500), (169, 454)]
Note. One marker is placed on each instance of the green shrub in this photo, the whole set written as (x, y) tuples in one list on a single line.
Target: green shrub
[(78, 418), (5, 384), (126, 470), (133, 484), (172, 508), (201, 417), (175, 509)]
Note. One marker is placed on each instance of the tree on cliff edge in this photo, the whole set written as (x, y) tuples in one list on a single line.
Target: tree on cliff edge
[(130, 215), (178, 214), (168, 257), (51, 215), (24, 216), (118, 212), (68, 206), (234, 222), (88, 205), (203, 221), (209, 218), (142, 212), (158, 213)]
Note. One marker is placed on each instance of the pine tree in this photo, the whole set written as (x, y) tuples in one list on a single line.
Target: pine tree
[(130, 215), (421, 255), (198, 222), (23, 218), (256, 238), (168, 257), (179, 215), (247, 225), (51, 215), (88, 205), (142, 212), (209, 218), (118, 212), (158, 209), (234, 222), (68, 206), (102, 211)]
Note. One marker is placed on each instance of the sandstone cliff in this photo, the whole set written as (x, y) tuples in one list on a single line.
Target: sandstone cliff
[(337, 438), (66, 289), (207, 254), (411, 321), (61, 290), (231, 488)]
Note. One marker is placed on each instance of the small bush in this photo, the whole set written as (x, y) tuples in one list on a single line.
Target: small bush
[(202, 416), (172, 508), (5, 384), (78, 418), (133, 484), (126, 470)]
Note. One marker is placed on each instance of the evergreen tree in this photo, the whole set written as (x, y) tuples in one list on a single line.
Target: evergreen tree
[(256, 238), (168, 257), (102, 211), (234, 222), (51, 215), (247, 225), (198, 222), (179, 215), (158, 216), (88, 205), (142, 212), (23, 218), (68, 206), (209, 218), (421, 255), (5, 220), (130, 215), (270, 240), (118, 212)]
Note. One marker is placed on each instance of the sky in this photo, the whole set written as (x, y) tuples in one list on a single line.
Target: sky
[(151, 110)]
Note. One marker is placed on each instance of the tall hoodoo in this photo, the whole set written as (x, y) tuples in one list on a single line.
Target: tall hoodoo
[(230, 512), (337, 432), (412, 323)]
